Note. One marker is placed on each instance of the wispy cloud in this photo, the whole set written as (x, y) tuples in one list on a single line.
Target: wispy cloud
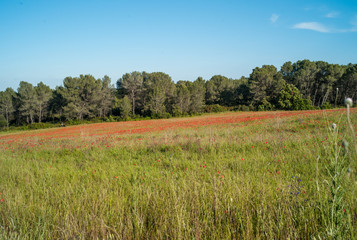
[(314, 26), (332, 14), (274, 17), (354, 24), (353, 27)]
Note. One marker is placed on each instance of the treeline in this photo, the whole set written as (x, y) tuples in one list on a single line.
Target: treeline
[(297, 86)]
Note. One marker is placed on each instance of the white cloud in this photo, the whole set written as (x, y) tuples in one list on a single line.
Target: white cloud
[(332, 15), (315, 26), (274, 18)]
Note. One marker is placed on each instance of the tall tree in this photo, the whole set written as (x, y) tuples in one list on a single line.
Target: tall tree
[(265, 84), (305, 78), (347, 84), (43, 96), (7, 104), (81, 96), (132, 83), (124, 105), (242, 94), (106, 99), (182, 97), (56, 104), (198, 92), (159, 93), (215, 87), (27, 98)]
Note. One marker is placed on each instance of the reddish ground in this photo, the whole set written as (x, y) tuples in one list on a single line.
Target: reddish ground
[(132, 127)]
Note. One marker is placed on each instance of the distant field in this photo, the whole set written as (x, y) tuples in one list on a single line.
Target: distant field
[(132, 127), (220, 176)]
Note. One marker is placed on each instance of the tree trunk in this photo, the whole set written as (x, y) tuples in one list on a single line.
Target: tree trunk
[(313, 101), (7, 118), (133, 95), (40, 114)]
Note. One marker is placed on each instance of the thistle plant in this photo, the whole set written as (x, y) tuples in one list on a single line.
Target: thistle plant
[(349, 103), (336, 169)]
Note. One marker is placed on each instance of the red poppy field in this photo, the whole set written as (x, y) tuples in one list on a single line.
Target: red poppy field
[(218, 176), (147, 126)]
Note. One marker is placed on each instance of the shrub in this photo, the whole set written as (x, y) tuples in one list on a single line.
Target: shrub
[(215, 108), (326, 105), (3, 122)]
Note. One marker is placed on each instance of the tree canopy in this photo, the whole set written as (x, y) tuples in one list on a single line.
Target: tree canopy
[(301, 85)]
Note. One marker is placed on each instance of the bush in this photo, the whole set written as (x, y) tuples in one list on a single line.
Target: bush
[(326, 105), (39, 125), (3, 122), (215, 108), (243, 108)]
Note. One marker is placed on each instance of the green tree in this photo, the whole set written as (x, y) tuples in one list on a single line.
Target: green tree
[(290, 98), (287, 70), (124, 105), (265, 83), (242, 95), (106, 99), (3, 122), (132, 83), (56, 104), (81, 96), (7, 104), (43, 96), (305, 78), (27, 99), (156, 103), (347, 84), (215, 88), (183, 97), (159, 93), (198, 92)]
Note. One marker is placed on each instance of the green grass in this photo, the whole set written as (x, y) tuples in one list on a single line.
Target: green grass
[(201, 183)]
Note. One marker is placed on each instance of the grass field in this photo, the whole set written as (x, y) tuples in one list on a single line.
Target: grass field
[(224, 176)]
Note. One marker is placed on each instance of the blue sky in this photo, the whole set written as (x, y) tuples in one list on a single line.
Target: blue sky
[(49, 40)]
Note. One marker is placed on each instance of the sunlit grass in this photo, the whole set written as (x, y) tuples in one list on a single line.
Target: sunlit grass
[(234, 180)]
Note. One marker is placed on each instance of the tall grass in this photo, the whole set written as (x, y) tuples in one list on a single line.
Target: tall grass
[(227, 181)]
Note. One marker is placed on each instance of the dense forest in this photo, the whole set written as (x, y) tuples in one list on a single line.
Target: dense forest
[(297, 86)]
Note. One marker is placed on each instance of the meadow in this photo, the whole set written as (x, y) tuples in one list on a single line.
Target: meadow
[(261, 175)]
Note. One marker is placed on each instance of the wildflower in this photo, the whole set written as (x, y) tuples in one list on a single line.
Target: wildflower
[(2, 200)]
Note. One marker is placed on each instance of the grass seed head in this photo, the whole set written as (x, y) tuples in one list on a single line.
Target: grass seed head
[(349, 102)]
